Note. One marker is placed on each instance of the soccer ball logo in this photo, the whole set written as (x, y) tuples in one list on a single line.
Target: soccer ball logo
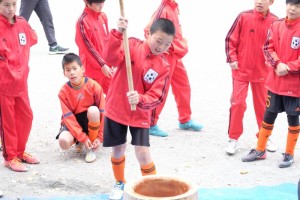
[(295, 43), (150, 76), (22, 39)]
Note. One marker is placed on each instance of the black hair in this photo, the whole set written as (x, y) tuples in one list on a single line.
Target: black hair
[(95, 1), (164, 25), (70, 57), (292, 1)]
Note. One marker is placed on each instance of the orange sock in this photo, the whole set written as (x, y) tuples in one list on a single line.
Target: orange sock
[(263, 136), (93, 130), (118, 165), (292, 139), (148, 169)]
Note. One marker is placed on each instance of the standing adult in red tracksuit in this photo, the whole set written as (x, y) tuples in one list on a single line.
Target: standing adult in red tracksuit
[(91, 33), (243, 45), (179, 79), (15, 112)]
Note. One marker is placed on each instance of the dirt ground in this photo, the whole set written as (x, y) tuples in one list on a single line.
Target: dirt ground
[(196, 156)]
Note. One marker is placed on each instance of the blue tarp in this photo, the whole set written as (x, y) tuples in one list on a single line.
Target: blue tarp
[(286, 191)]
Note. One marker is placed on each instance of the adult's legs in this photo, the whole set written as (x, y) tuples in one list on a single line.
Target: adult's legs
[(27, 7), (43, 11)]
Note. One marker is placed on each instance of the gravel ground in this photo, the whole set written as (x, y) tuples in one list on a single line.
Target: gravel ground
[(196, 156)]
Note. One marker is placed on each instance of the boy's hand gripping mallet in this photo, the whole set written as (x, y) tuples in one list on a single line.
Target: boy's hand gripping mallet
[(127, 55)]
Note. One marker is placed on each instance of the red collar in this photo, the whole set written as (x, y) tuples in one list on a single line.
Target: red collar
[(91, 12)]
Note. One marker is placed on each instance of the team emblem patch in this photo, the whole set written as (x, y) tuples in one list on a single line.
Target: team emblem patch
[(295, 43), (150, 76), (22, 39)]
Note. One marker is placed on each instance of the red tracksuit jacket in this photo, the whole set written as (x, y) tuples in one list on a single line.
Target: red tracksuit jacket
[(169, 10), (74, 101), (150, 77), (14, 55), (283, 45), (91, 34), (243, 44)]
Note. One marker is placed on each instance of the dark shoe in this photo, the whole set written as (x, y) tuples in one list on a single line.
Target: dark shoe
[(255, 155), (58, 50), (287, 160)]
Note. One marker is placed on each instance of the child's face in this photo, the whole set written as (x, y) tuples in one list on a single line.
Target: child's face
[(96, 7), (73, 72), (262, 6), (8, 9), (159, 42), (293, 11)]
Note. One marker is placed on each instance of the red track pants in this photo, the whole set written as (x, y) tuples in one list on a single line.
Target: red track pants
[(182, 93), (15, 125), (238, 105)]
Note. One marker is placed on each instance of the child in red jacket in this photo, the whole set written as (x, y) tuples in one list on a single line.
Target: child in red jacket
[(91, 34), (15, 112), (281, 51), (243, 50), (150, 74), (82, 103), (179, 80)]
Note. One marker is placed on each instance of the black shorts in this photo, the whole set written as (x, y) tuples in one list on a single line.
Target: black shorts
[(278, 103), (116, 134), (82, 121)]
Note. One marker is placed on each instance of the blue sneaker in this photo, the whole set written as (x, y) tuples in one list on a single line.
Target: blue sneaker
[(191, 125), (117, 191), (156, 131)]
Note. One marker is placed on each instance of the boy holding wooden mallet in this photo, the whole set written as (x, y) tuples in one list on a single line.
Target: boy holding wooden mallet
[(150, 75)]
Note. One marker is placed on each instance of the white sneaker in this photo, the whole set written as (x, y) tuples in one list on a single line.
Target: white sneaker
[(117, 192), (231, 147), (1, 194), (271, 146), (90, 156)]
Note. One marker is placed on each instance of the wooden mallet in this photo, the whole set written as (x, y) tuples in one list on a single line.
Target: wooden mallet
[(127, 55)]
